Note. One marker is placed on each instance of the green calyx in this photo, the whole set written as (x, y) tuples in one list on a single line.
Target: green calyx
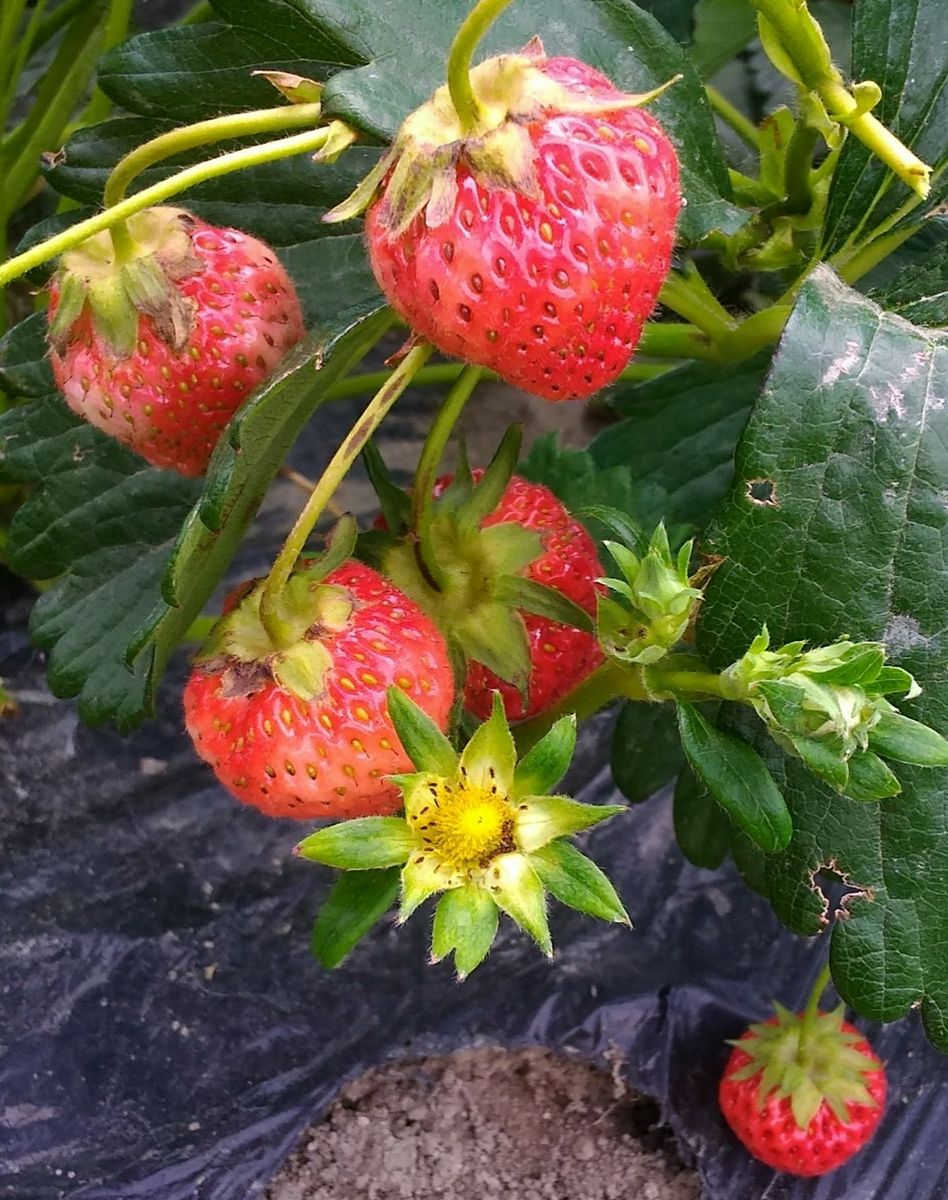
[(484, 586), (655, 601), (117, 289), (807, 1063), (244, 653), (510, 90), (827, 705), (481, 831)]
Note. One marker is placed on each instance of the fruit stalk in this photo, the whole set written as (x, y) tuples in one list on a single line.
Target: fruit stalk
[(812, 1011), (202, 133), (614, 682), (431, 454), (802, 40), (478, 21), (237, 160), (335, 472)]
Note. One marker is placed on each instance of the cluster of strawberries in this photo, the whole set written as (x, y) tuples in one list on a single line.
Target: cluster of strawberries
[(534, 246)]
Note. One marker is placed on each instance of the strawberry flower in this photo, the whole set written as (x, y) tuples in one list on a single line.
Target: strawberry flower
[(480, 831)]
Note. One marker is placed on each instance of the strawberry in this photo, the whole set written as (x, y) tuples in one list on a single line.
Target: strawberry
[(161, 348), (803, 1098), (519, 587), (537, 243), (560, 655), (303, 730)]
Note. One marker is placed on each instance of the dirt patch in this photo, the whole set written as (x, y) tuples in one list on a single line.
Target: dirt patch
[(522, 1125)]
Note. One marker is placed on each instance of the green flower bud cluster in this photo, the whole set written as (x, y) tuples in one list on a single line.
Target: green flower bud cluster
[(653, 603), (827, 705)]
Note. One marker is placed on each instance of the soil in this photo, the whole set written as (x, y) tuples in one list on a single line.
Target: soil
[(522, 1125)]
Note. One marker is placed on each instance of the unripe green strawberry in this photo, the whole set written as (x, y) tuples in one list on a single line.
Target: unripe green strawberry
[(161, 350), (803, 1102), (304, 731), (541, 239)]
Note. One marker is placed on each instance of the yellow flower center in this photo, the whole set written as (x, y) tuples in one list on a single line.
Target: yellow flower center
[(466, 825)]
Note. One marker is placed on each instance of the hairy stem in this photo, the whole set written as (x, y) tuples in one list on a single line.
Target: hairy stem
[(217, 129), (812, 1010), (745, 129), (237, 160), (431, 454), (803, 42), (690, 297), (478, 21), (335, 472)]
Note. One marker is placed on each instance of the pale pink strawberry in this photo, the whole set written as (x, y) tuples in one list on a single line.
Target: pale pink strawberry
[(167, 382)]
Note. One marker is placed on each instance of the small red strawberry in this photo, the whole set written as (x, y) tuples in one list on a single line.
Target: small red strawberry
[(304, 730), (161, 348), (803, 1092), (498, 537), (537, 243)]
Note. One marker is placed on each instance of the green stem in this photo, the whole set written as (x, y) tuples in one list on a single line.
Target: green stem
[(665, 340), (217, 129), (116, 30), (798, 168), (803, 42), (870, 255), (812, 1011), (201, 11), (479, 19), (757, 331), (399, 379), (427, 472), (441, 374), (237, 160), (613, 681), (690, 297), (745, 129)]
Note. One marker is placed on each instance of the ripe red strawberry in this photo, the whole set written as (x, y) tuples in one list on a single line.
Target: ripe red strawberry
[(560, 656), (304, 731), (803, 1103), (161, 350), (540, 244)]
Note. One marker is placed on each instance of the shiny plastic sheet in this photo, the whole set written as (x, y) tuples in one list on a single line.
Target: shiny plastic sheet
[(164, 1034)]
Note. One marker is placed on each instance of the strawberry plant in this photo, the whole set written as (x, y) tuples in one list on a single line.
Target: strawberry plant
[(748, 561)]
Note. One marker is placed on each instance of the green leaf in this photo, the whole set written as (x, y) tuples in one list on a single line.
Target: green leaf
[(899, 737), (356, 902), (422, 740), (702, 829), (196, 71), (540, 819), (646, 750), (406, 42), (920, 294), (362, 844), (679, 432), (140, 551), (870, 779), (577, 882), (527, 595), (722, 29), (465, 922), (852, 430), (737, 778), (539, 771), (900, 44)]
